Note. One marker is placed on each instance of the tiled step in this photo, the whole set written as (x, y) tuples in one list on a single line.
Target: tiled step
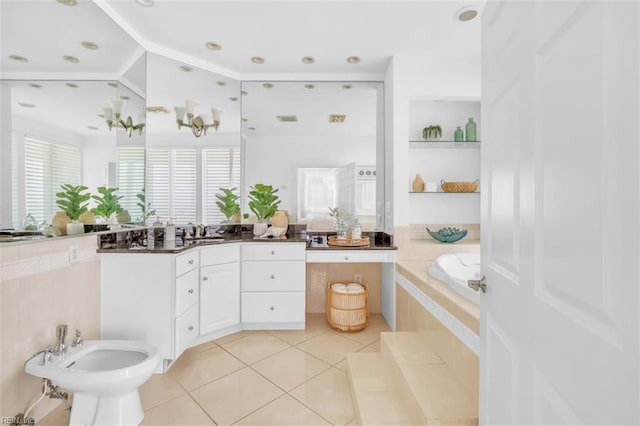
[(378, 392), (407, 383)]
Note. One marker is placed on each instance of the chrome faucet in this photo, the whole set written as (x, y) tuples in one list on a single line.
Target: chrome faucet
[(61, 333), (46, 355)]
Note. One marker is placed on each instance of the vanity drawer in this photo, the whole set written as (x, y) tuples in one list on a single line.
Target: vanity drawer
[(217, 255), (273, 276), (273, 251), (273, 307), (187, 291), (187, 330), (187, 262)]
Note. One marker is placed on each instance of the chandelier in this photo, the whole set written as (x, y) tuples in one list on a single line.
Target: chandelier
[(198, 124), (113, 118)]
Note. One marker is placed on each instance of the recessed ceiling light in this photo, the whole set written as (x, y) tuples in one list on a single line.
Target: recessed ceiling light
[(71, 59), (68, 2), (213, 46), (72, 85), (337, 118), (251, 128), (186, 68), (101, 115), (308, 60), (346, 86), (309, 86), (244, 93), (35, 85), (92, 127), (221, 83), (353, 59), (287, 118), (26, 105), (257, 60), (126, 98), (158, 109), (18, 58), (465, 14), (233, 99), (147, 3), (267, 85), (89, 45), (112, 84), (245, 119)]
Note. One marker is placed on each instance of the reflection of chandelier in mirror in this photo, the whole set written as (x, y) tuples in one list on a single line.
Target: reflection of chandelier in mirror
[(196, 123), (113, 119)]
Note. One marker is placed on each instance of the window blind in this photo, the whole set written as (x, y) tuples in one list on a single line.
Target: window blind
[(220, 169), (171, 184), (130, 178), (14, 181), (47, 167)]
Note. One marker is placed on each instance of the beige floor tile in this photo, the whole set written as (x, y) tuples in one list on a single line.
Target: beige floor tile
[(385, 407), (375, 345), (330, 347), (295, 337), (58, 417), (283, 411), (367, 349), (290, 368), (200, 368), (371, 333), (201, 347), (342, 365), (158, 389), (329, 395), (233, 397), (255, 347), (317, 322), (179, 411), (235, 336)]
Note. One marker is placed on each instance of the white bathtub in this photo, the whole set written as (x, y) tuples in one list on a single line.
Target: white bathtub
[(455, 270)]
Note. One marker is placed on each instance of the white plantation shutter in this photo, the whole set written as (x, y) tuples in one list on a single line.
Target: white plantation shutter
[(171, 183), (130, 178), (220, 169), (47, 167)]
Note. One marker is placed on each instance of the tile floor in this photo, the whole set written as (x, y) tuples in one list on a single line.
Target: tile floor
[(292, 377)]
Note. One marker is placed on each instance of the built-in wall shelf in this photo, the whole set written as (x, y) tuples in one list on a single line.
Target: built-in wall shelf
[(442, 192), (443, 144)]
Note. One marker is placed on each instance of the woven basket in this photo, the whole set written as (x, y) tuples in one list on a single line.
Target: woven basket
[(347, 311), (459, 186)]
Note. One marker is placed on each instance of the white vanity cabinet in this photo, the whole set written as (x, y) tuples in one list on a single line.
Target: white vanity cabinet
[(219, 287), (151, 297), (273, 285)]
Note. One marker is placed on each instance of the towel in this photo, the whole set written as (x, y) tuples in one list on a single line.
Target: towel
[(339, 288), (355, 288)]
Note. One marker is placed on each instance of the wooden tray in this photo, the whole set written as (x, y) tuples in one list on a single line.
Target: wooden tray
[(334, 241)]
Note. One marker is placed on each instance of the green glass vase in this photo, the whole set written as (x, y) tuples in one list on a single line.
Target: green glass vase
[(458, 135), (470, 130)]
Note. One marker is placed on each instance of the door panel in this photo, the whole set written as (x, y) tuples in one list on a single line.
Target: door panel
[(560, 213)]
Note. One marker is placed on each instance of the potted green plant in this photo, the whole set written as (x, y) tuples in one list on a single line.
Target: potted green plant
[(73, 200), (228, 204), (108, 202), (432, 132), (263, 203), (145, 206)]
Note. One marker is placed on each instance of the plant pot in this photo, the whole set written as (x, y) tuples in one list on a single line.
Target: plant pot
[(75, 228), (260, 228), (123, 217), (60, 221), (235, 218), (280, 219)]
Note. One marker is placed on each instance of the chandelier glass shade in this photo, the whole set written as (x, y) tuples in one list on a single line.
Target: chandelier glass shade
[(197, 123), (113, 117)]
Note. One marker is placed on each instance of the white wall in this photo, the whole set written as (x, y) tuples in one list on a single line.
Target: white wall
[(274, 160), (5, 156)]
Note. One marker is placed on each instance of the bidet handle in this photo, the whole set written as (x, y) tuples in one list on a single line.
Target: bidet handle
[(46, 355)]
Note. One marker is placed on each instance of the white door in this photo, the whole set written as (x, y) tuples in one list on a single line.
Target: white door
[(219, 297), (560, 213)]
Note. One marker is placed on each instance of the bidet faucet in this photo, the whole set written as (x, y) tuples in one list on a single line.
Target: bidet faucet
[(61, 333)]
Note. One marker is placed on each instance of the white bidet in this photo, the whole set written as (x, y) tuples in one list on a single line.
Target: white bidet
[(104, 376)]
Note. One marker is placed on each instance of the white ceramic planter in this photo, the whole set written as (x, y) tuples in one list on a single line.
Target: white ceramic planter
[(259, 228), (75, 228)]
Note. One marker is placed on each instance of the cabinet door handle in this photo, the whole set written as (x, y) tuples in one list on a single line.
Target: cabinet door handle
[(273, 277), (190, 261), (273, 308), (190, 328), (273, 252), (206, 277), (190, 291)]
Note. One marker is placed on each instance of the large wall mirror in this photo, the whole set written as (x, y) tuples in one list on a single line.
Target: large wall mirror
[(193, 140), (55, 128), (316, 142)]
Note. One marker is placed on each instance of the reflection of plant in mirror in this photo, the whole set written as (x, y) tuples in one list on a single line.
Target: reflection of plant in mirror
[(108, 203), (432, 132), (228, 202), (263, 202), (145, 207), (73, 200)]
